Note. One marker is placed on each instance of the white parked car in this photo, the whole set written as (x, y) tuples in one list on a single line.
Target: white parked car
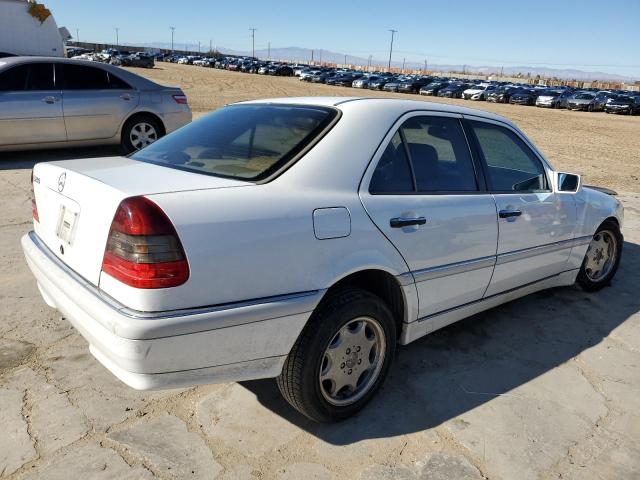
[(478, 92), (304, 238)]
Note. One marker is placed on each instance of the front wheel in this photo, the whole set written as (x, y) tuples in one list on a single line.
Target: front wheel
[(602, 258), (341, 357)]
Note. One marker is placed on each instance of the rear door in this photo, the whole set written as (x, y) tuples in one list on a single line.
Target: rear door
[(30, 105), (96, 101), (535, 224), (423, 192)]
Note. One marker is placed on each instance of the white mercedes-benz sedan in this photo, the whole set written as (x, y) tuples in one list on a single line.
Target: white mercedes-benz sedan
[(304, 238)]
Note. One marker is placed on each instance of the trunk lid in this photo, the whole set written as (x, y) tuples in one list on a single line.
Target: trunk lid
[(77, 200)]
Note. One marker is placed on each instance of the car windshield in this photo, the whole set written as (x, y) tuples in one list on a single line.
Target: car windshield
[(549, 94), (246, 142), (584, 96)]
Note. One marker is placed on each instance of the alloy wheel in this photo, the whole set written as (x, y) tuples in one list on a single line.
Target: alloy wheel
[(352, 361), (601, 255)]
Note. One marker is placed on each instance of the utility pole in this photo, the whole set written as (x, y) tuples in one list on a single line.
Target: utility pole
[(198, 46), (269, 51), (210, 47), (117, 37), (393, 32), (403, 60), (311, 55), (320, 57), (253, 42), (77, 35), (173, 29), (425, 65), (345, 58), (502, 71), (370, 56)]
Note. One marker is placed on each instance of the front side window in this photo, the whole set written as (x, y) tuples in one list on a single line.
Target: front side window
[(512, 166), (247, 142), (28, 77)]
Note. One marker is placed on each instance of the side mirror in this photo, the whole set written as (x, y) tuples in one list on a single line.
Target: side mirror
[(568, 182)]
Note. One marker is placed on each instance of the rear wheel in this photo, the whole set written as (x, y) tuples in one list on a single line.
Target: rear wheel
[(341, 357), (602, 258), (140, 131)]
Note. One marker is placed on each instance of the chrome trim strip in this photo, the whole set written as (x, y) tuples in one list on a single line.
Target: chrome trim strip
[(541, 250), (453, 268), (405, 279), (301, 307), (432, 273), (483, 299)]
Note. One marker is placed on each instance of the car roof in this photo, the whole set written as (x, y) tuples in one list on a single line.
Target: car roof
[(398, 105)]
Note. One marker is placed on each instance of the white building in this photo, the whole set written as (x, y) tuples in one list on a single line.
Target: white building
[(21, 33)]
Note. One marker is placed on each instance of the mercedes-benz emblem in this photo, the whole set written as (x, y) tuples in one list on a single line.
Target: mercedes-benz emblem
[(61, 180)]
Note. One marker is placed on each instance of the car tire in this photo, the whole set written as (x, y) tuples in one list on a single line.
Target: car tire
[(370, 327), (147, 125), (609, 237), (590, 108)]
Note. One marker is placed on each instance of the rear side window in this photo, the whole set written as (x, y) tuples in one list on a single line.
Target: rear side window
[(512, 165), (81, 77), (393, 173), (439, 154), (247, 142), (117, 83), (35, 76)]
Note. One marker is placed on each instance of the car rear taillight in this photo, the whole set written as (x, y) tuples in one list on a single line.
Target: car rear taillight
[(143, 249), (34, 205), (181, 99)]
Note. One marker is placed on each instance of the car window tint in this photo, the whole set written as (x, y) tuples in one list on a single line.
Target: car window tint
[(240, 141), (14, 79), (40, 76), (512, 166), (439, 154), (81, 77), (117, 83), (392, 174)]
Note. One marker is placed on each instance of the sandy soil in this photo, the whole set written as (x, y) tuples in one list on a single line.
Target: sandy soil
[(542, 388), (604, 148)]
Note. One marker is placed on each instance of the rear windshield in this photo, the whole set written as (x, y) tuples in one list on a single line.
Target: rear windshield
[(247, 142)]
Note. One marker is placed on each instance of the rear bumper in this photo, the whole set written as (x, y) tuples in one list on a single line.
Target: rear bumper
[(155, 350)]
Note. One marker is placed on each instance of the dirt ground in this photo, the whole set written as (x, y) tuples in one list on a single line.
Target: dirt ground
[(546, 387)]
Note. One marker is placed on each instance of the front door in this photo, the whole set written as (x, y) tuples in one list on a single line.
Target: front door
[(535, 224), (30, 106), (423, 193)]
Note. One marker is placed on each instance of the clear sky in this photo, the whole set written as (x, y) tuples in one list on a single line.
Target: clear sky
[(584, 34)]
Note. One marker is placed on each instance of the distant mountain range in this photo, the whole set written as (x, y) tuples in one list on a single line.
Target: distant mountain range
[(302, 55)]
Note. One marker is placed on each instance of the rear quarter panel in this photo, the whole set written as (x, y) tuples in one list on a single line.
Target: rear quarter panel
[(255, 242)]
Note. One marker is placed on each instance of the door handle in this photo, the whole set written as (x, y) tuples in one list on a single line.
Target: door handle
[(126, 96), (49, 99), (509, 213), (400, 222)]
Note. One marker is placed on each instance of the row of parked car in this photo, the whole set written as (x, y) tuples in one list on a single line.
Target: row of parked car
[(592, 100), (121, 58)]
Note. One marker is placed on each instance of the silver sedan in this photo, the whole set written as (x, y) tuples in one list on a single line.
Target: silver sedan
[(49, 102)]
